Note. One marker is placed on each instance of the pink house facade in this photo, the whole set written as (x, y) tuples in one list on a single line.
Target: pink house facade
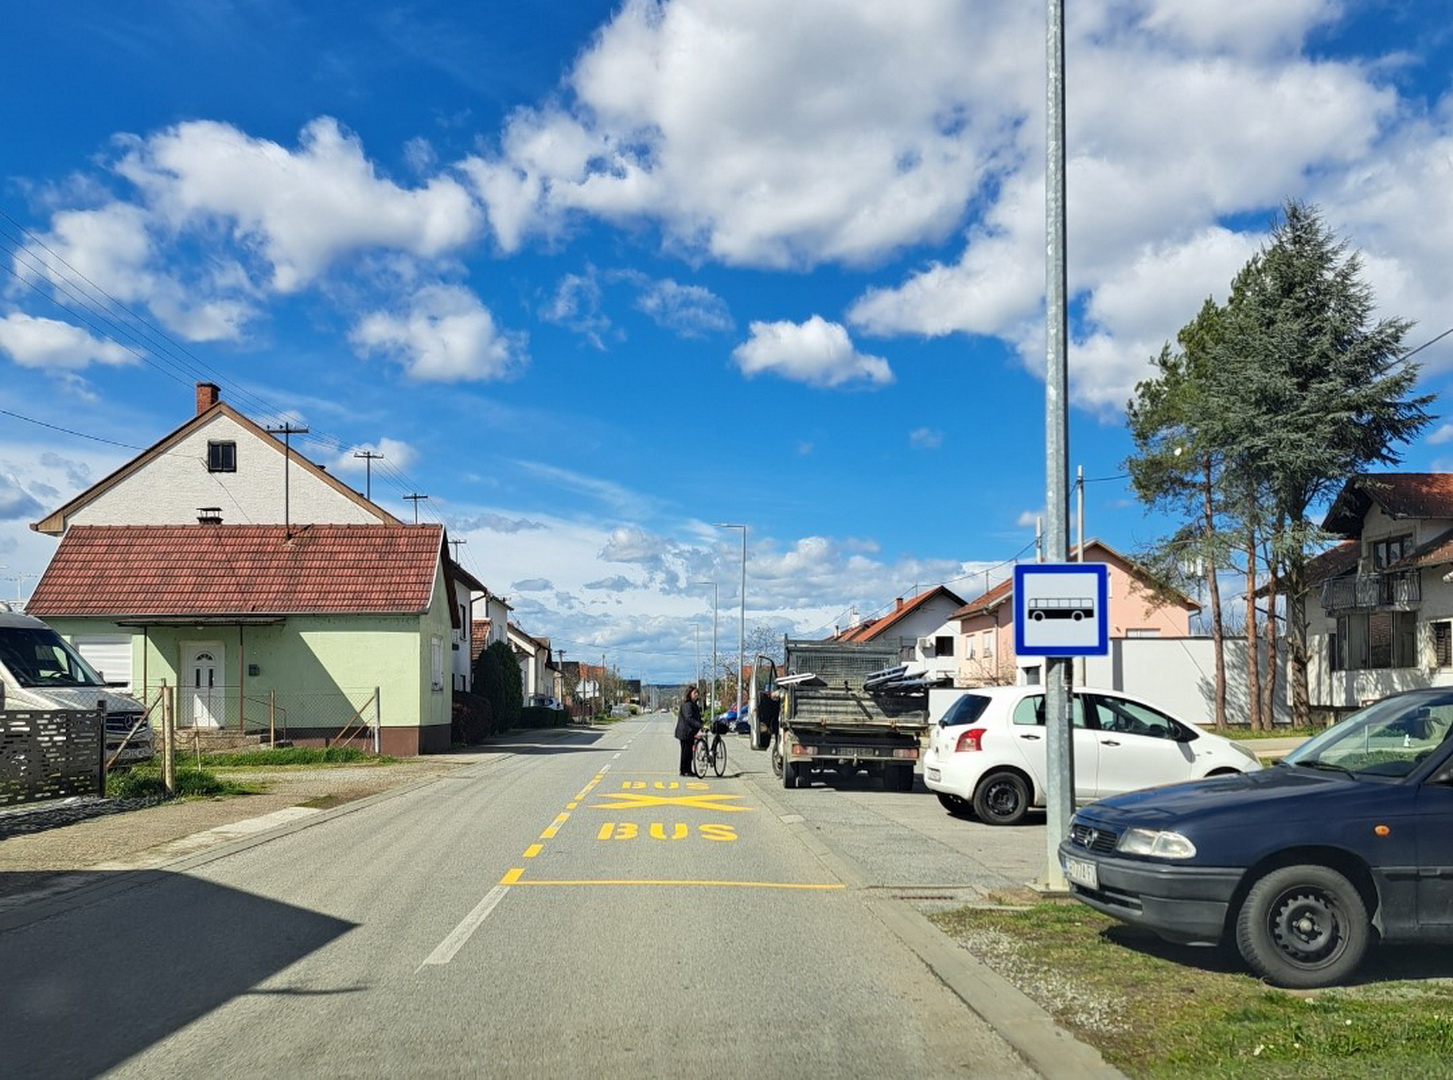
[(986, 623)]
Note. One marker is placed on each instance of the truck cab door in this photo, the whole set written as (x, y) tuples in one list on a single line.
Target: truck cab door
[(765, 706)]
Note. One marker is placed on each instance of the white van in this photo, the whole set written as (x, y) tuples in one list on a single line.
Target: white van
[(39, 670)]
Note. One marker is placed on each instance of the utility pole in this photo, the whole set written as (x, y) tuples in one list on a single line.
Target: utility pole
[(369, 457), (415, 500), (455, 545), (1059, 746), (287, 431), (742, 623)]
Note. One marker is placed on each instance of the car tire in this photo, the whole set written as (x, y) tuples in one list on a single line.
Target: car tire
[(1303, 927), (956, 805), (1002, 798)]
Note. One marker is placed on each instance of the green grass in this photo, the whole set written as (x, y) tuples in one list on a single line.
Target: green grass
[(1156, 1010), (295, 755), (145, 782), (1242, 731)]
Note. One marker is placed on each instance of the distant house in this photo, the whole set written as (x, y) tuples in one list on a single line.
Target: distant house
[(1380, 616), (918, 626), (309, 631)]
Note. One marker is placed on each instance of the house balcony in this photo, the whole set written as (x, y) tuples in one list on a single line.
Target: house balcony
[(1372, 592)]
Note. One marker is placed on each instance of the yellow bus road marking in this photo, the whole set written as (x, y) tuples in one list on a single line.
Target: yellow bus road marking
[(513, 877), (533, 850), (710, 884), (630, 830), (629, 801)]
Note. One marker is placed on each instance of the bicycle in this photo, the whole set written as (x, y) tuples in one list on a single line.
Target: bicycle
[(709, 754)]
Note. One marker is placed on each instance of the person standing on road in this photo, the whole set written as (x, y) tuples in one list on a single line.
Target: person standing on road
[(688, 723)]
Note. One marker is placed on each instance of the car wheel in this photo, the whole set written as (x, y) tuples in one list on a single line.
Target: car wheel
[(1002, 798), (1303, 927), (954, 804)]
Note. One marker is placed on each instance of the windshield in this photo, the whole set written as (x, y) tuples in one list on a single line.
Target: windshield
[(1388, 738), (39, 657)]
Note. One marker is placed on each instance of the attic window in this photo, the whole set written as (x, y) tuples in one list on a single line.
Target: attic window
[(221, 457)]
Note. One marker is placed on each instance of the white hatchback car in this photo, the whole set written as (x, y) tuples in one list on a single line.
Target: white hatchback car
[(987, 754)]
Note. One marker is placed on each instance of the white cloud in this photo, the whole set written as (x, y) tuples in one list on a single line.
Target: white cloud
[(769, 141), (443, 335), (109, 253), (299, 209), (815, 352), (925, 438), (689, 310), (398, 456), (49, 345)]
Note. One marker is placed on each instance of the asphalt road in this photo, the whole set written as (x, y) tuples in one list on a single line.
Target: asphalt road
[(576, 909)]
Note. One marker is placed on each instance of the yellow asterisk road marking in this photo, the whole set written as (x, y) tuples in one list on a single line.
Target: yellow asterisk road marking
[(630, 801)]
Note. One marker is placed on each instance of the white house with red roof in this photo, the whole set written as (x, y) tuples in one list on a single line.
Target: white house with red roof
[(220, 474), (919, 626)]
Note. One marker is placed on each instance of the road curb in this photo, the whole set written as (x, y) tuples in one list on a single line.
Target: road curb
[(1017, 1018)]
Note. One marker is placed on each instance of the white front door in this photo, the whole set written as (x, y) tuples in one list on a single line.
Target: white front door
[(203, 684)]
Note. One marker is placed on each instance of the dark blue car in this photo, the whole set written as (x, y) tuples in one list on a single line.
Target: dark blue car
[(1347, 841)]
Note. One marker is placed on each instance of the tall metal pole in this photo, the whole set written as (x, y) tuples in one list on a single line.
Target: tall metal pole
[(1059, 744), (742, 621), (287, 431)]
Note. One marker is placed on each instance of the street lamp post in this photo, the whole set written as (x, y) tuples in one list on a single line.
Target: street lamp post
[(742, 622), (715, 603)]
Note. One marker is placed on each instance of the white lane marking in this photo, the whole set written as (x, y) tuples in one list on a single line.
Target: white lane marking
[(613, 757), (605, 768), (461, 933)]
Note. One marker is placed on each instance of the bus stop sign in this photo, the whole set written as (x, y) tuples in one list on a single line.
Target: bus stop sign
[(1061, 609)]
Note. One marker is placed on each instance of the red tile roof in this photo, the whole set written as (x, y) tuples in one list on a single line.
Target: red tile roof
[(987, 602), (870, 629), (219, 570), (1399, 495)]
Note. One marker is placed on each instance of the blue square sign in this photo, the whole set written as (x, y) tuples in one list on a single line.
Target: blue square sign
[(1062, 609)]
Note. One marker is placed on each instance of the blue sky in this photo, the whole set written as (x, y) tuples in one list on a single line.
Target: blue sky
[(594, 276)]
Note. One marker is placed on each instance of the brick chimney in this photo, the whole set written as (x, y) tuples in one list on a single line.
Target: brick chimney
[(900, 604), (207, 396)]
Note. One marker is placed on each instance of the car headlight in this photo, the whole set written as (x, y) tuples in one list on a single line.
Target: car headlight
[(1156, 843)]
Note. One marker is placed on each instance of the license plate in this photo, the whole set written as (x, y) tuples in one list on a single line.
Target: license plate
[(932, 774), (1082, 873)]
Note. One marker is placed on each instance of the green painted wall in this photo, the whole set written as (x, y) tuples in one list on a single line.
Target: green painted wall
[(319, 669)]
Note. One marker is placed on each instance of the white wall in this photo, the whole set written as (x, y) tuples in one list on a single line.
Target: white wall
[(169, 489), (1178, 674)]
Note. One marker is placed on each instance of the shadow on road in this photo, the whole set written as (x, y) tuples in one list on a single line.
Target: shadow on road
[(87, 988)]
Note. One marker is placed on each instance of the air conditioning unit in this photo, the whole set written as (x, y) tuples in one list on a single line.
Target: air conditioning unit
[(925, 646)]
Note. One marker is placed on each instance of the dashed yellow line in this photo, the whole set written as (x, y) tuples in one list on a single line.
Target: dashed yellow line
[(533, 850), (513, 877)]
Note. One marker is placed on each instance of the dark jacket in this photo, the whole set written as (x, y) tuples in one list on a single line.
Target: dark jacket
[(688, 720)]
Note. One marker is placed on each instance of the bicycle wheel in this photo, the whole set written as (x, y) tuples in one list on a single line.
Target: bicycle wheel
[(718, 756), (700, 758)]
